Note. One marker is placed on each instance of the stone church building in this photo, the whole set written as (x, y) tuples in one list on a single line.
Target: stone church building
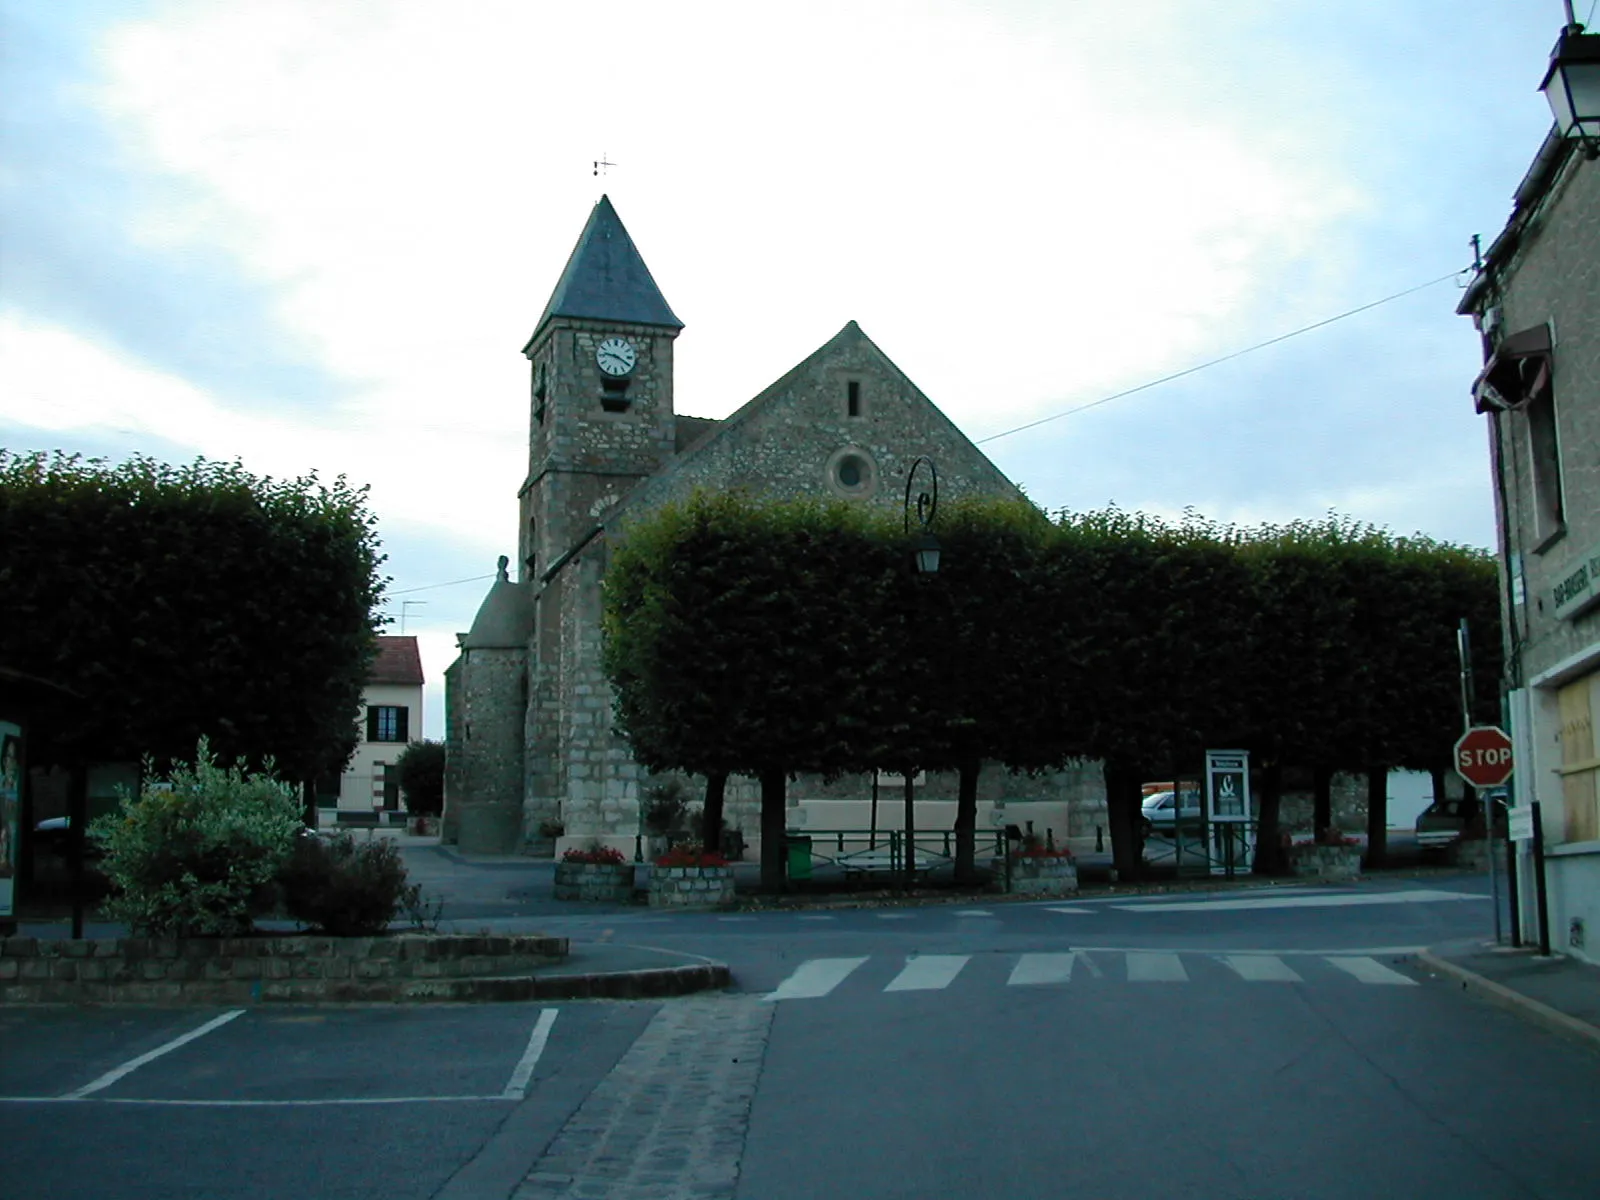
[(530, 742)]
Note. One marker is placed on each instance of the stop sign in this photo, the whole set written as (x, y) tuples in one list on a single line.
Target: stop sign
[(1483, 756)]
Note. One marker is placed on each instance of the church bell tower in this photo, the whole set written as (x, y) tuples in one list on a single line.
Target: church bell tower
[(600, 412)]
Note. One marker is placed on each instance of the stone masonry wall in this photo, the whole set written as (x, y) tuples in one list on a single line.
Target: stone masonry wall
[(486, 701)]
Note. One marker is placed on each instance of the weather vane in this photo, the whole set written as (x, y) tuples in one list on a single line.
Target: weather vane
[(601, 163)]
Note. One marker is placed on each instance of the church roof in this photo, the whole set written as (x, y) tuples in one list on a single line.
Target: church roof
[(398, 662), (505, 618), (606, 280)]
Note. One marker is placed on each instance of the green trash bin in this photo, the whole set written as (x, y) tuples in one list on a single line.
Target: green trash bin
[(799, 856)]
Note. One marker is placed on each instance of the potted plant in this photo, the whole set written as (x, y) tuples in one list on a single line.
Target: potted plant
[(663, 813), (595, 872), (690, 876)]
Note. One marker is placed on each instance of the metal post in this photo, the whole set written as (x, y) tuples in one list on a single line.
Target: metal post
[(1512, 900), (1464, 653), (1540, 899), (911, 825)]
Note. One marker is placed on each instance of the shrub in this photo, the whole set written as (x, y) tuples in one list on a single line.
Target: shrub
[(665, 807), (597, 854), (344, 887), (196, 853), (421, 770)]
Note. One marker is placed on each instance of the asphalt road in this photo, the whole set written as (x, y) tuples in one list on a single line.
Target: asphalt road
[(1257, 1043)]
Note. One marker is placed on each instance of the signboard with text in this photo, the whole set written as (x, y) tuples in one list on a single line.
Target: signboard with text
[(1483, 756)]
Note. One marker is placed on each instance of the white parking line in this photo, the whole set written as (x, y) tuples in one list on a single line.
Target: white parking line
[(132, 1065), (517, 1086)]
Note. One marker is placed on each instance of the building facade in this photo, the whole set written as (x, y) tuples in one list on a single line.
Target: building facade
[(530, 742), (1535, 302), (390, 720)]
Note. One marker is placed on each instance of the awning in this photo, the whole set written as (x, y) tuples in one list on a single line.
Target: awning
[(1517, 373)]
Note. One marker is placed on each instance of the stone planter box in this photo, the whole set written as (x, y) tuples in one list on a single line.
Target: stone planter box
[(1036, 876), (296, 968), (610, 882), (1325, 862), (691, 887)]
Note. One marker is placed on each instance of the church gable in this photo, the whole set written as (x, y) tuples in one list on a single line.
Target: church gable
[(845, 423)]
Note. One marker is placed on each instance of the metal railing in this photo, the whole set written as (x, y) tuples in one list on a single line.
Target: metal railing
[(885, 850)]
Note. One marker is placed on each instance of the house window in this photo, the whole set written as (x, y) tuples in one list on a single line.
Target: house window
[(387, 723), (1544, 454), (851, 473), (538, 394), (852, 398)]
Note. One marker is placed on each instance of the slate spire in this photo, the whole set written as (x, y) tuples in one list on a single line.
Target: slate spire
[(606, 280)]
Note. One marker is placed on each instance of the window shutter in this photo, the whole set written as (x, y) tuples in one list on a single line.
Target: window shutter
[(372, 722), (402, 721)]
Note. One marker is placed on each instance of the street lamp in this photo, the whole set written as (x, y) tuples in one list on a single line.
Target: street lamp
[(925, 556), (1572, 85), (925, 552)]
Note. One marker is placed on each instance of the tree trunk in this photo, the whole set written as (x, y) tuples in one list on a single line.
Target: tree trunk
[(774, 825), (1321, 800), (711, 815), (1122, 814), (1377, 816), (1269, 840), (967, 824)]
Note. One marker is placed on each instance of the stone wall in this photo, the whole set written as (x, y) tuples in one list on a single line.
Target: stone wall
[(248, 969), (486, 698), (691, 887)]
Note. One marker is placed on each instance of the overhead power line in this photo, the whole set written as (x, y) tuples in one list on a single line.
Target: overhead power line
[(1282, 337), (428, 587)]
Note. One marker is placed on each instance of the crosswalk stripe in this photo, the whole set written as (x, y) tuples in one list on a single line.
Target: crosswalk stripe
[(1155, 967), (973, 912), (815, 977), (1369, 970), (894, 916), (928, 973), (1066, 908), (1041, 968), (1262, 968)]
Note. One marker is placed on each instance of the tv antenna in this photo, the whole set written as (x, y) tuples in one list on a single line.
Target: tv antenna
[(602, 163)]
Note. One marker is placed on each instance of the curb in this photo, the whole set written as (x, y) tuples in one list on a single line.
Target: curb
[(650, 984), (1526, 1006)]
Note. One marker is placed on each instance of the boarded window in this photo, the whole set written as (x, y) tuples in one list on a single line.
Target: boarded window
[(1580, 762)]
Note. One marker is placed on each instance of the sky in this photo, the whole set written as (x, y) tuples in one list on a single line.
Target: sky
[(314, 235)]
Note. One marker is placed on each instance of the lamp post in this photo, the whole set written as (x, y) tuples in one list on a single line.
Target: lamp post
[(925, 554), (1572, 85)]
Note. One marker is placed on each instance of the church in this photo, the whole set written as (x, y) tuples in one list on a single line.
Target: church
[(531, 752)]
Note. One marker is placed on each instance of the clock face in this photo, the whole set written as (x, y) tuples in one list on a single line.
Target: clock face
[(616, 356)]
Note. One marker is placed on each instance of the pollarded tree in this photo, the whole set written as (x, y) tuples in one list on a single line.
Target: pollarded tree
[(188, 602)]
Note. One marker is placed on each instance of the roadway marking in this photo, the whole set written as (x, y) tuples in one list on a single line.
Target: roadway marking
[(1068, 909), (973, 912), (1370, 970), (894, 916), (736, 918), (815, 977), (1090, 965), (1157, 967), (1334, 900), (928, 973), (1041, 968), (1262, 968), (134, 1064), (517, 1086), (816, 917)]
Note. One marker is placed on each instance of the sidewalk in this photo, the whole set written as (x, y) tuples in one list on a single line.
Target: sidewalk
[(1560, 993)]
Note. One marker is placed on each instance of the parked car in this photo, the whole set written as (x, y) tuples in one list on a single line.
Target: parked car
[(1161, 812), (1444, 821)]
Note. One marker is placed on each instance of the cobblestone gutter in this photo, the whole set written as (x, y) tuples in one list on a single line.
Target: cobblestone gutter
[(244, 970), (669, 1121)]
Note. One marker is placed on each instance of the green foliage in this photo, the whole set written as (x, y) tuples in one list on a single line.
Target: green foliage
[(421, 770), (754, 637), (197, 852), (665, 807), (187, 601), (347, 888)]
